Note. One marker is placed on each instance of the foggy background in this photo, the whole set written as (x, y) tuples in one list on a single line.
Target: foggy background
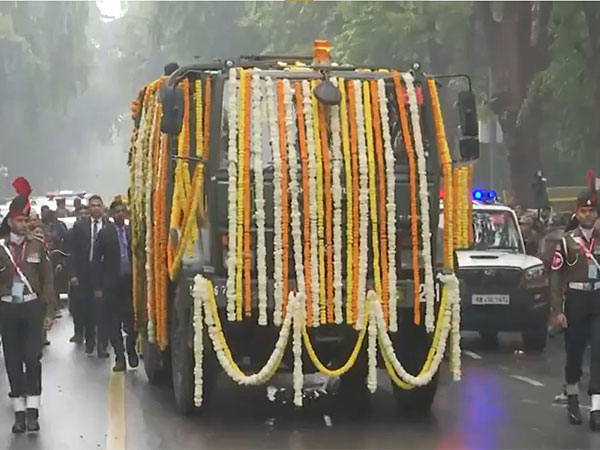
[(68, 71)]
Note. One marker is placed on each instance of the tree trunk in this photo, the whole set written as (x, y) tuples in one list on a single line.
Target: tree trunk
[(515, 58)]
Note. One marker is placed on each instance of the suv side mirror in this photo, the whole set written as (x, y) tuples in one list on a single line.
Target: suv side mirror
[(469, 140), (172, 102)]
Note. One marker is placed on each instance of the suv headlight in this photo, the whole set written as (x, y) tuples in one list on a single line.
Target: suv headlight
[(535, 277)]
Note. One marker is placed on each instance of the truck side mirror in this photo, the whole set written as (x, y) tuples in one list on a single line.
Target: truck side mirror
[(469, 139), (172, 101)]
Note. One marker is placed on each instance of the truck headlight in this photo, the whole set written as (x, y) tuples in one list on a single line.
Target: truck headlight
[(535, 277)]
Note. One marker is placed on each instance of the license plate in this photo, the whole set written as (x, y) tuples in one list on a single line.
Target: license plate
[(490, 299)]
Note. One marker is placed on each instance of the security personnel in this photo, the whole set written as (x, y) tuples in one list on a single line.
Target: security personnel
[(576, 274), (27, 306)]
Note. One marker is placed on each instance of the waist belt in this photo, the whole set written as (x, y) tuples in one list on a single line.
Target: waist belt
[(584, 286), (26, 298)]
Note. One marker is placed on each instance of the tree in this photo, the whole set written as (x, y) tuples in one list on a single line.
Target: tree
[(518, 39)]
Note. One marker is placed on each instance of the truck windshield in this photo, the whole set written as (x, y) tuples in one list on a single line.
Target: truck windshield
[(495, 230)]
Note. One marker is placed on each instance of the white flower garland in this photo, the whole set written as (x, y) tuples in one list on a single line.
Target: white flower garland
[(299, 318), (293, 186), (312, 188), (390, 176), (277, 202), (202, 295), (424, 200), (336, 188), (363, 204), (388, 350), (372, 343), (200, 287), (232, 123), (258, 115), (451, 283)]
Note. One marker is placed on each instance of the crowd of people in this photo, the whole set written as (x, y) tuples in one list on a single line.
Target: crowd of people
[(40, 258)]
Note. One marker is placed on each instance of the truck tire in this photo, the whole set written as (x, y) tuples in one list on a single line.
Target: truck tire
[(353, 394), (181, 338), (412, 344), (416, 401), (535, 340), (182, 360), (156, 363)]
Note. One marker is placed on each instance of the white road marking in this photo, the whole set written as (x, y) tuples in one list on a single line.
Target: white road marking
[(528, 380), (327, 420), (472, 354), (586, 407)]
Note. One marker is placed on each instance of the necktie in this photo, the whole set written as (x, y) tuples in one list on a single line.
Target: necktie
[(94, 236)]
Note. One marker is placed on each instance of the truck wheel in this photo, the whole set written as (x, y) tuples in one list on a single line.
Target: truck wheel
[(412, 344), (156, 363), (353, 394), (181, 337), (535, 340), (182, 360), (416, 401)]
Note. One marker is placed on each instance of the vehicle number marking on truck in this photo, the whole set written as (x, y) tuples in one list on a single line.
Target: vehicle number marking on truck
[(490, 299), (220, 290)]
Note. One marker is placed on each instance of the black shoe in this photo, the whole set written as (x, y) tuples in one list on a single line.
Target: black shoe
[(103, 354), (119, 365), (574, 414), (20, 422), (46, 343), (76, 339), (133, 359), (89, 349), (595, 420), (32, 419)]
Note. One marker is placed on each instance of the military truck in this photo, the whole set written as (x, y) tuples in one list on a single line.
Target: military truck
[(183, 144)]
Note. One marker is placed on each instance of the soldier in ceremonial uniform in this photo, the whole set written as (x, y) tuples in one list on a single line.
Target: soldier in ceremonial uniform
[(27, 307), (575, 291)]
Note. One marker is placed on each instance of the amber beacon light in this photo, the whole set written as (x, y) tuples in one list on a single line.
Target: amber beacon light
[(321, 52)]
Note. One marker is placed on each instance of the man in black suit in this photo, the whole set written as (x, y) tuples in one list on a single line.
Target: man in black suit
[(83, 237), (112, 282)]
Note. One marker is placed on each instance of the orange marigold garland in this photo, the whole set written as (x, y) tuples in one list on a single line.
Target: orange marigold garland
[(328, 214), (385, 291), (446, 161), (305, 200), (414, 228), (355, 212)]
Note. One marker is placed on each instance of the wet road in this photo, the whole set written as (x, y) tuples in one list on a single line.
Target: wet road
[(504, 401)]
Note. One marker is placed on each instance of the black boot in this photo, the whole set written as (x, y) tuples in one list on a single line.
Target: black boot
[(20, 422), (119, 364), (133, 359), (574, 414), (595, 420), (32, 419)]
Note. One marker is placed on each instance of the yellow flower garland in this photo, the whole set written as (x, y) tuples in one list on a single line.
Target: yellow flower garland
[(320, 209), (349, 200), (446, 160), (430, 354), (351, 359), (240, 196)]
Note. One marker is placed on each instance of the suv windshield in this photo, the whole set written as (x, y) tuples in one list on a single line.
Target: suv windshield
[(495, 230)]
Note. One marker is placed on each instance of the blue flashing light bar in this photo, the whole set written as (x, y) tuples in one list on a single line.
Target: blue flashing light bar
[(484, 196)]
